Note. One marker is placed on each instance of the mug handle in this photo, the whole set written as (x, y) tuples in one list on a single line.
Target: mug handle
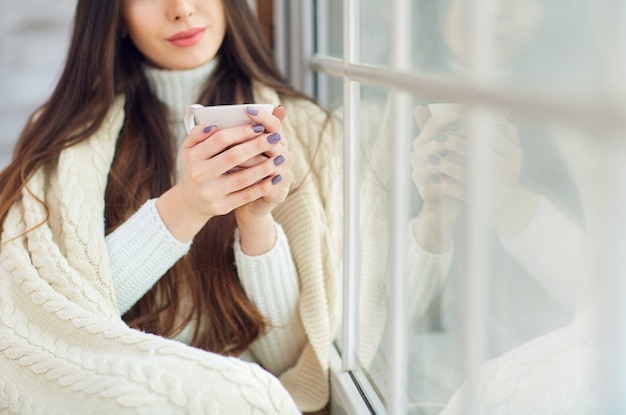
[(189, 119)]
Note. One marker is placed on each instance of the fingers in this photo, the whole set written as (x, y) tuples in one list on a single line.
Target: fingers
[(505, 140), (421, 115), (271, 122), (221, 140), (440, 124), (242, 153), (280, 112), (198, 134), (269, 180)]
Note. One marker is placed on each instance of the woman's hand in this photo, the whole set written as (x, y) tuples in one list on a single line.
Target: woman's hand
[(254, 219), (204, 190), (281, 175)]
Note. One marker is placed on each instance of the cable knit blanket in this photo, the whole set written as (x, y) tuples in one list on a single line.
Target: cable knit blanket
[(63, 347)]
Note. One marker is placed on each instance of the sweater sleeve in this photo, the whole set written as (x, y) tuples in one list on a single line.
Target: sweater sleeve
[(551, 249), (271, 281), (427, 275), (141, 251)]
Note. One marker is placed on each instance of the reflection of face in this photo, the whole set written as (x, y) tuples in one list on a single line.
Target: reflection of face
[(514, 22), (176, 34)]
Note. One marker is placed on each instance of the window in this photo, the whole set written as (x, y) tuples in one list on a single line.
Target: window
[(484, 198)]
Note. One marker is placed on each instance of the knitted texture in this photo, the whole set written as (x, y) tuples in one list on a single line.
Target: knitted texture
[(63, 348), (141, 251), (311, 217), (270, 280), (178, 89)]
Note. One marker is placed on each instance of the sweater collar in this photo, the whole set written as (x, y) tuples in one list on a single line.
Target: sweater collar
[(178, 89)]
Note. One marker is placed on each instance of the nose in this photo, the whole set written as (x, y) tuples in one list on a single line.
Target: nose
[(180, 9)]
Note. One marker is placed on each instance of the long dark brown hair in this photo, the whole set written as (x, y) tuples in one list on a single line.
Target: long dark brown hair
[(100, 65)]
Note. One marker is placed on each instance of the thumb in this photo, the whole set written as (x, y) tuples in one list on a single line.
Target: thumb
[(280, 112), (421, 114)]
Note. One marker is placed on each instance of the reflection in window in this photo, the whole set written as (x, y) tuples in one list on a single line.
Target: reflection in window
[(545, 327), (535, 232)]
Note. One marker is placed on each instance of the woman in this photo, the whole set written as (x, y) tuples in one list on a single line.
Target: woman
[(101, 218)]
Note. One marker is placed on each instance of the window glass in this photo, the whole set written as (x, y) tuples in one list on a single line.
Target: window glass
[(374, 32), (534, 176), (329, 25), (515, 235), (523, 44), (329, 92)]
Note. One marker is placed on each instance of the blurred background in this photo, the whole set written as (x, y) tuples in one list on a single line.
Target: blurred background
[(33, 42)]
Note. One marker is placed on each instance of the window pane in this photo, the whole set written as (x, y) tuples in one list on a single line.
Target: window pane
[(374, 32), (375, 216), (329, 91), (536, 183), (515, 237), (329, 28), (523, 44)]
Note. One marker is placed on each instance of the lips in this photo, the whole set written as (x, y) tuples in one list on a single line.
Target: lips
[(187, 38)]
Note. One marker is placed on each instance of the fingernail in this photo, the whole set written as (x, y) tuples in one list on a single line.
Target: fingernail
[(258, 128), (433, 159), (276, 179), (273, 138), (279, 160), (434, 178), (441, 137), (252, 111), (453, 127), (208, 129)]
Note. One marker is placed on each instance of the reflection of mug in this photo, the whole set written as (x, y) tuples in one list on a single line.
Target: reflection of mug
[(224, 116), (439, 108)]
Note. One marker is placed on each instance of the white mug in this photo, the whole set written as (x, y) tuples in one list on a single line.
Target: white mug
[(224, 116)]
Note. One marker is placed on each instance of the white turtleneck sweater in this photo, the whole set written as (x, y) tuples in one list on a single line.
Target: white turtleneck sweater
[(142, 249)]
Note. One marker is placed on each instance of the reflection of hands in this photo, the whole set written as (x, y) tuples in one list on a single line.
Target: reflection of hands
[(513, 205), (439, 161), (505, 164), (438, 164)]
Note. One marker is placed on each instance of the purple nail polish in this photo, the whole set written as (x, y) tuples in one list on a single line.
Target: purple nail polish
[(433, 159), (276, 179), (208, 129), (279, 160), (252, 111), (273, 138), (434, 178), (258, 128), (441, 138)]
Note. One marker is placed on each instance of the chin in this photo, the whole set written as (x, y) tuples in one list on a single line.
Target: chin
[(183, 65), (192, 62)]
